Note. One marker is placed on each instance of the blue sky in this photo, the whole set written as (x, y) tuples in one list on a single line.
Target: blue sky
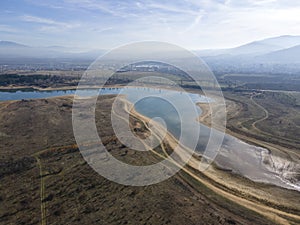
[(193, 24)]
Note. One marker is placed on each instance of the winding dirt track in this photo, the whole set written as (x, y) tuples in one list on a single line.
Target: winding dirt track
[(263, 109)]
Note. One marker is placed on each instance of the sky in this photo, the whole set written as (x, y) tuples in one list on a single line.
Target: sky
[(192, 24)]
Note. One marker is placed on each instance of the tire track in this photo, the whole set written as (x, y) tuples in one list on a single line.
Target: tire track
[(42, 191)]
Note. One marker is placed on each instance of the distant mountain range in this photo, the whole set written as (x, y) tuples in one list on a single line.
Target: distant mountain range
[(282, 49), (289, 55), (12, 50), (10, 44)]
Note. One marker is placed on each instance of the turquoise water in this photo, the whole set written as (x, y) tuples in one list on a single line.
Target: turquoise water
[(154, 103), (6, 95)]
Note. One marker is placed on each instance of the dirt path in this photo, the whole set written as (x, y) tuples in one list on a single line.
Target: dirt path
[(263, 109), (42, 191)]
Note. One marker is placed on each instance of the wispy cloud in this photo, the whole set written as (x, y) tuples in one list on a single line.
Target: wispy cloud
[(49, 24), (189, 23), (194, 23), (8, 29), (100, 30), (171, 8)]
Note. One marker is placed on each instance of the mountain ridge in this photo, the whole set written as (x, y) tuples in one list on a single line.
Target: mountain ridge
[(280, 49)]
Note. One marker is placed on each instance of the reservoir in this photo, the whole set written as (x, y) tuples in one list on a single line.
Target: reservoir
[(253, 162)]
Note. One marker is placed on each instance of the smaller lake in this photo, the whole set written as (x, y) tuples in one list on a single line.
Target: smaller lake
[(8, 95)]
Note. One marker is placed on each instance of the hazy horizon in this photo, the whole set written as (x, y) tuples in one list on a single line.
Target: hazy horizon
[(89, 24), (82, 49)]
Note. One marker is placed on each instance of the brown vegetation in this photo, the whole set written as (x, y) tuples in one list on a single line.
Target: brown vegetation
[(59, 187)]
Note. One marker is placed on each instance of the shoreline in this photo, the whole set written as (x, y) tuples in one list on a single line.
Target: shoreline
[(175, 88), (237, 188), (204, 118)]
